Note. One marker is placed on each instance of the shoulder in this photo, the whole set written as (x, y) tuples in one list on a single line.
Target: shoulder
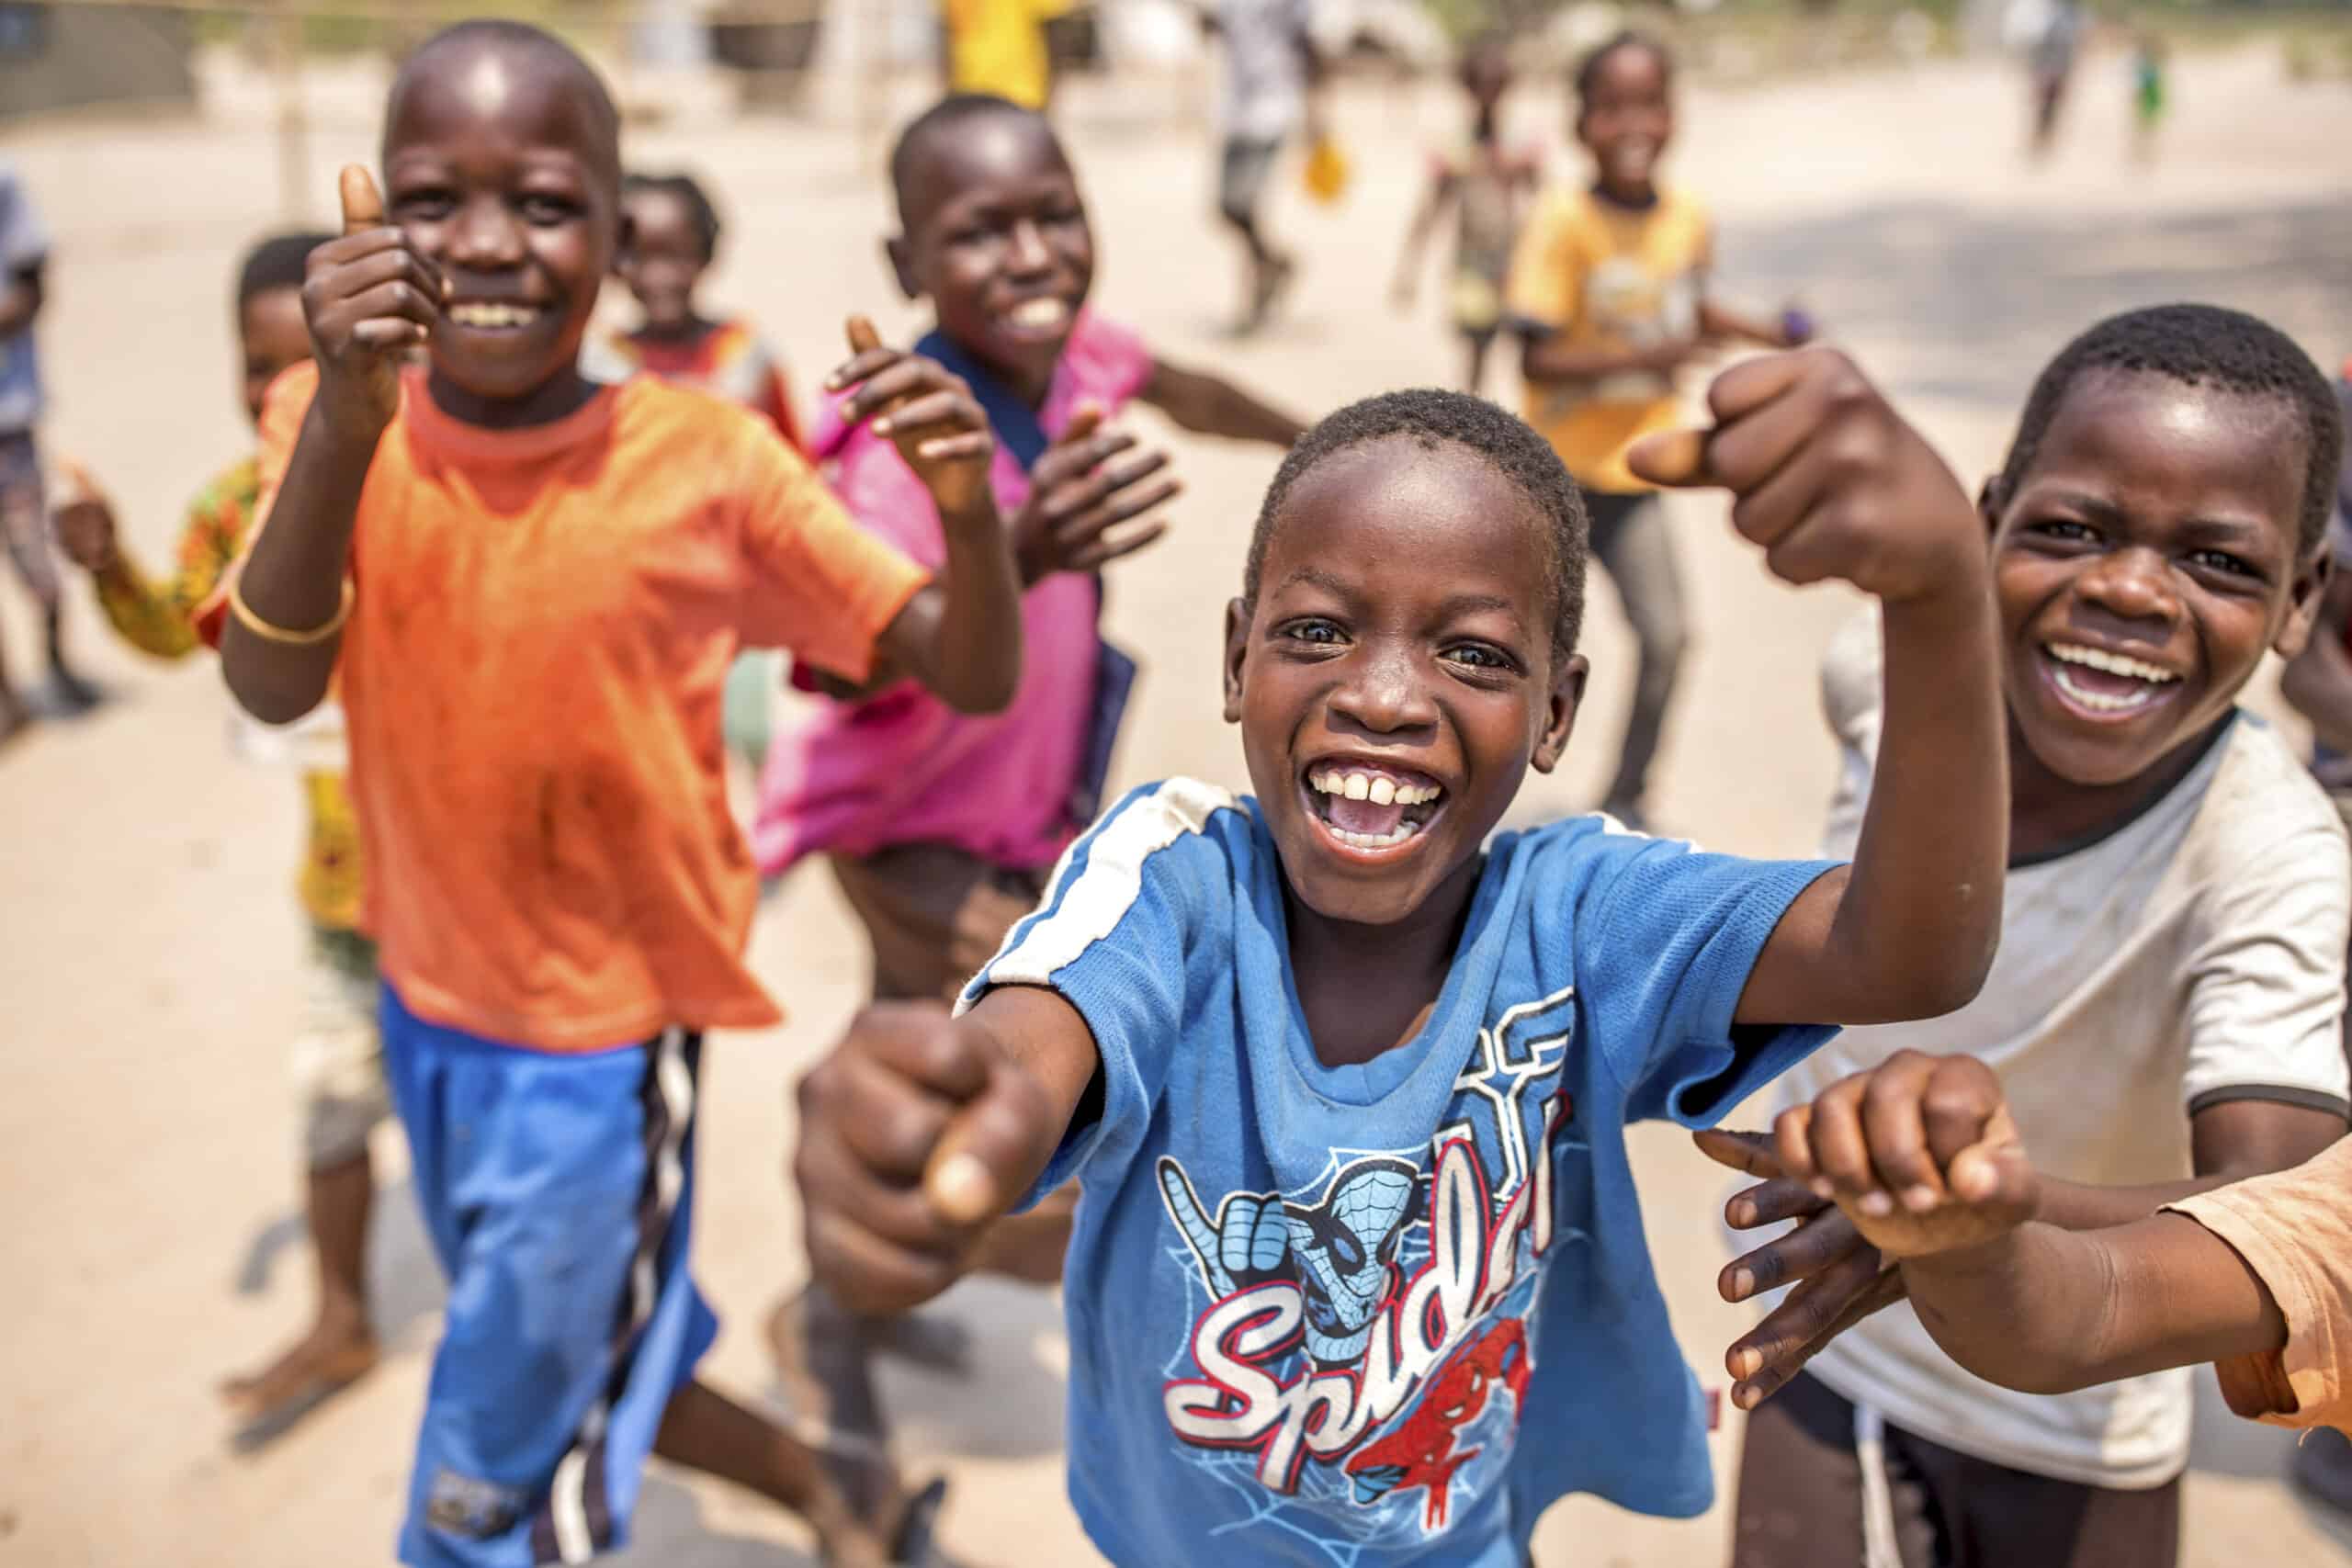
[(2263, 816), (689, 421), (1561, 209), (1565, 859), (1100, 348), (1681, 212), (228, 496), (1179, 826)]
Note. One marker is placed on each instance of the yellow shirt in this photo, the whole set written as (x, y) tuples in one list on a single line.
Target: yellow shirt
[(998, 47), (1604, 276)]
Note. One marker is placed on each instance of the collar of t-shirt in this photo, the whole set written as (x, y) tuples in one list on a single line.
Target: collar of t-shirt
[(432, 429)]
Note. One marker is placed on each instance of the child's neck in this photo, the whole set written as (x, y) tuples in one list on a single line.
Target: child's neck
[(2049, 813), (1633, 198), (561, 395), (1368, 989), (1031, 387), (693, 327)]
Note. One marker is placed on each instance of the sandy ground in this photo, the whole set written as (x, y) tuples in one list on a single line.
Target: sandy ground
[(147, 946)]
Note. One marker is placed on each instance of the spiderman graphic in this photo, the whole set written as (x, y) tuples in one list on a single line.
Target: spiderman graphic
[(1418, 1450)]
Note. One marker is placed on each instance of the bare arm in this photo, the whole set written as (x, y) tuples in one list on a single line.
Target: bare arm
[(960, 635), (1434, 203), (1552, 358), (2318, 681), (2231, 1141), (20, 301), (1725, 324), (1208, 404)]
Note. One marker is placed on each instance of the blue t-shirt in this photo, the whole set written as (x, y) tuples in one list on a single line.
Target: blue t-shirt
[(24, 244), (1382, 1313)]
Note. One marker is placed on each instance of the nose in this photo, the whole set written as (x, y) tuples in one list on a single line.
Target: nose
[(2134, 584), (1028, 252), (1384, 693), (485, 236)]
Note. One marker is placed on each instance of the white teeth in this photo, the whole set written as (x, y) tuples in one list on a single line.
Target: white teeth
[(1379, 789), (1038, 313), (487, 315), (1396, 835), (2111, 663), (1383, 791), (2102, 702), (1359, 787)]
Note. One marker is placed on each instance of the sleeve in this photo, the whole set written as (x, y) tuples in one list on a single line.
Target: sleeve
[(2266, 972), (282, 411), (2293, 1228), (162, 621), (24, 238), (1665, 938), (1112, 938), (1544, 289), (815, 582)]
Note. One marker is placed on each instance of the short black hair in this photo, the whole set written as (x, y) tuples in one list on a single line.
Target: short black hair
[(276, 262), (949, 114), (699, 210), (2198, 345), (1587, 70), (498, 33), (1429, 417)]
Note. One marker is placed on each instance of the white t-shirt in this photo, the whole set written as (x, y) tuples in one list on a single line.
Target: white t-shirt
[(1265, 75), (2193, 955)]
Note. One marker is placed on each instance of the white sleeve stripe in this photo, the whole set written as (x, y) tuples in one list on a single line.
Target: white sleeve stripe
[(1105, 876)]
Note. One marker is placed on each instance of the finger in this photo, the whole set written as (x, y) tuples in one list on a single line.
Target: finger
[(858, 368), (1090, 507), (945, 411), (1769, 512), (949, 448), (1897, 1131), (988, 1151), (1064, 462), (1805, 1316), (1675, 458), (1997, 1175), (1750, 1153), (921, 1044), (385, 265), (1080, 533), (1094, 557), (1792, 1145), (871, 1276), (1960, 1099), (362, 206), (1748, 450), (1082, 424), (1746, 387), (890, 1125), (863, 338), (902, 379), (387, 333), (1804, 1252), (1841, 1150), (826, 1168), (399, 298), (1774, 1369), (1770, 1202)]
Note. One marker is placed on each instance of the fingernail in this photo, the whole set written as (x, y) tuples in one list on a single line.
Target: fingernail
[(882, 425), (1743, 1396), (1743, 1214), (963, 1188), (1744, 1363), (1742, 1281), (1875, 1202), (1919, 1200), (1821, 1188)]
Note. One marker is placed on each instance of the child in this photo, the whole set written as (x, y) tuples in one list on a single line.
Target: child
[(2165, 1006), (1610, 288), (339, 1061), (1272, 72), (2147, 92), (2255, 1277), (1346, 1083), (669, 238), (941, 828), (1487, 184), (527, 588), (24, 511)]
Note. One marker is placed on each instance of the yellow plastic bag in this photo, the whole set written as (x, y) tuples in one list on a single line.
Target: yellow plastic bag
[(1326, 171)]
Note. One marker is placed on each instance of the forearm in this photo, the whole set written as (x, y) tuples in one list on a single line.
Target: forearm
[(965, 643), (1211, 405), (1552, 358), (156, 623), (1722, 321), (1921, 913), (2047, 1311), (294, 576)]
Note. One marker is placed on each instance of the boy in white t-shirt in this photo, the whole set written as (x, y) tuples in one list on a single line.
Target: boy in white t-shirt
[(2163, 1009)]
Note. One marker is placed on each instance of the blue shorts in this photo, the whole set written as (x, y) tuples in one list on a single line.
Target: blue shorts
[(557, 1190)]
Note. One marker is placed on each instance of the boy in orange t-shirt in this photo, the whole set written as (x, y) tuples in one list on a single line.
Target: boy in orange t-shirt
[(527, 588)]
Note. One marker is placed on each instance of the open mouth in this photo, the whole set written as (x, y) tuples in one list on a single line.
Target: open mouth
[(1369, 807), (483, 316), (1045, 316), (2101, 684)]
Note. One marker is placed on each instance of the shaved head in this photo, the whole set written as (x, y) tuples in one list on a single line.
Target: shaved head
[(488, 64)]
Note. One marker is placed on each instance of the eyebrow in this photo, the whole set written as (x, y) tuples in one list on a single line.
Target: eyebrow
[(2204, 530), (1339, 587)]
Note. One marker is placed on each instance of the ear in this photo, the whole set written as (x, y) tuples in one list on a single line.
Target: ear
[(1237, 649), (1566, 696), (624, 241), (901, 254), (2313, 579)]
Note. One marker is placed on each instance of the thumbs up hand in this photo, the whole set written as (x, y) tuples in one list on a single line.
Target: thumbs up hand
[(926, 412), (369, 299)]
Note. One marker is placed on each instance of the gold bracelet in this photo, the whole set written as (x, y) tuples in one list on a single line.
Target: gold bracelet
[(267, 633)]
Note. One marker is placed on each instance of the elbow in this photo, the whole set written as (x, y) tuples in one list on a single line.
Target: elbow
[(983, 692), (270, 702)]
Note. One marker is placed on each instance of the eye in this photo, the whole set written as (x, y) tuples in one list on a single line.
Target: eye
[(1479, 656), (1313, 630), (425, 203), (2226, 564), (2065, 530), (539, 207)]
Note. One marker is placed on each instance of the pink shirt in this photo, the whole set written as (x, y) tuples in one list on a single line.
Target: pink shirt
[(903, 767)]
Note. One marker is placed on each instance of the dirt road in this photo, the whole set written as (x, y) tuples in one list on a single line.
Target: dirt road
[(149, 946)]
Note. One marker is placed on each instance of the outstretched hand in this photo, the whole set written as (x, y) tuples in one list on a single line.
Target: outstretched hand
[(923, 409), (369, 298), (1077, 496)]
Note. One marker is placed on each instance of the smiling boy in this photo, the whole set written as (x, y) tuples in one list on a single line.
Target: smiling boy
[(527, 588), (1358, 1273), (2163, 1009)]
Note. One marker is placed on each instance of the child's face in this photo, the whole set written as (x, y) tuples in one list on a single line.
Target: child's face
[(1403, 637), (272, 335), (497, 168), (662, 257), (1486, 77), (997, 236), (2144, 564), (1628, 117)]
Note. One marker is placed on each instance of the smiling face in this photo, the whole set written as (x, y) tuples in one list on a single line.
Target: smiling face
[(271, 335), (501, 166), (662, 258), (996, 234), (2145, 562), (1626, 118), (1396, 677)]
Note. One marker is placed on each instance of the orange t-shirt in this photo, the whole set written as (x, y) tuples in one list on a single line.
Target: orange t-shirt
[(541, 626)]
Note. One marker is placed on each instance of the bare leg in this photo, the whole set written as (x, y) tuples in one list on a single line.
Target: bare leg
[(1473, 375), (14, 714), (340, 1348)]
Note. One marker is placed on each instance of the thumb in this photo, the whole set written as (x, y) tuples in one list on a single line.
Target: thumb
[(1750, 1153), (987, 1156), (363, 209), (862, 336), (1994, 1175), (1082, 423), (1675, 458)]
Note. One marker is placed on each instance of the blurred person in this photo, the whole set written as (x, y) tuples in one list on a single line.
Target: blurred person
[(2049, 62), (527, 587), (24, 507), (1485, 186), (1610, 290), (338, 1061), (670, 234), (941, 828), (1272, 80), (1000, 48), (2148, 91)]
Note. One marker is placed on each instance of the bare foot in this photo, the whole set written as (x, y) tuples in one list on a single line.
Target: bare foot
[(321, 1364)]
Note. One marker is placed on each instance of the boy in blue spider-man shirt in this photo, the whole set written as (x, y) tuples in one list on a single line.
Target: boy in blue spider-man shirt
[(1358, 1274)]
